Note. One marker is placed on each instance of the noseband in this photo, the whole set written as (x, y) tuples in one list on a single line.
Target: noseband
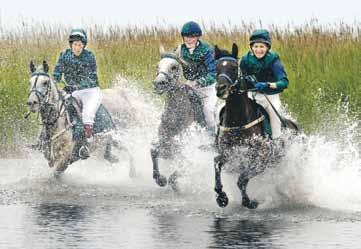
[(40, 95), (44, 98), (232, 83)]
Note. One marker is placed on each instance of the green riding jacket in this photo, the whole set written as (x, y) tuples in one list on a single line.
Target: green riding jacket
[(79, 71), (200, 65), (267, 69)]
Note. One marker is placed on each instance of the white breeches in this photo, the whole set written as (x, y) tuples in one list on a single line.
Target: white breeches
[(276, 102), (91, 99), (209, 99)]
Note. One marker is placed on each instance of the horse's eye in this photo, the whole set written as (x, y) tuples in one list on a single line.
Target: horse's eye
[(173, 68)]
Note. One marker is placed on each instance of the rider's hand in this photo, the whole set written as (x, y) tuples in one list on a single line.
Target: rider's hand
[(69, 89), (272, 85), (261, 86), (192, 83)]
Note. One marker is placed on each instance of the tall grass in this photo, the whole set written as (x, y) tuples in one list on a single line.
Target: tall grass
[(322, 62)]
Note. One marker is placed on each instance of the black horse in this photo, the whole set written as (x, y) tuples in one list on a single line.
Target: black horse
[(241, 137)]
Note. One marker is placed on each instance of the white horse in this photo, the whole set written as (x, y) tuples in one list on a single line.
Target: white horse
[(57, 137), (182, 108)]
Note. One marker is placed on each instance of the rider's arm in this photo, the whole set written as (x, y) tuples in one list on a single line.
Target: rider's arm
[(59, 68), (280, 75), (93, 70), (210, 63)]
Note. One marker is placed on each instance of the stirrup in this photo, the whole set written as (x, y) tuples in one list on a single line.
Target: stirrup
[(84, 152)]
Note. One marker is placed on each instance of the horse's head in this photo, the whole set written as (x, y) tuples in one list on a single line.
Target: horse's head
[(42, 88), (168, 71), (226, 71)]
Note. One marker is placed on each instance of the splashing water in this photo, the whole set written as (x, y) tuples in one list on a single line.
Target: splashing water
[(318, 170)]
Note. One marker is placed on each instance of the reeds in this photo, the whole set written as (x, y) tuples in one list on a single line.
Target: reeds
[(322, 62)]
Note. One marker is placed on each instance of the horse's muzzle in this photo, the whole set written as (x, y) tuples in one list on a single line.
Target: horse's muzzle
[(33, 105), (159, 87), (221, 91)]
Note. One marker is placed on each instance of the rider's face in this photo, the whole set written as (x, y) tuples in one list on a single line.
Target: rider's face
[(259, 49), (77, 47), (191, 41)]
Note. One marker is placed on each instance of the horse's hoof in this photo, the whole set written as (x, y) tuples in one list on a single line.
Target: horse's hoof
[(208, 147), (222, 199), (132, 172), (172, 181), (161, 180), (111, 158), (246, 202), (58, 174)]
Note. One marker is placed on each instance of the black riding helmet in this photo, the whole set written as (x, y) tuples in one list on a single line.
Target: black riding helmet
[(78, 35)]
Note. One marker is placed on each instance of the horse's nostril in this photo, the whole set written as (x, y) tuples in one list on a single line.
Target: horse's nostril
[(31, 103)]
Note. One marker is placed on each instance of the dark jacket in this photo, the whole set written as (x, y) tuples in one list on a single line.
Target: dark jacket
[(200, 65), (267, 69), (79, 71)]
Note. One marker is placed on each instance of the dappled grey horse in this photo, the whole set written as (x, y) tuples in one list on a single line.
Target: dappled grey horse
[(57, 138), (182, 108)]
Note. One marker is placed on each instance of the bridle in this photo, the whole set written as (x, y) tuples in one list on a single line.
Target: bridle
[(232, 83), (40, 95), (43, 99), (232, 87)]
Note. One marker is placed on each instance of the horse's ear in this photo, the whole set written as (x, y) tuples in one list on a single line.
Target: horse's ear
[(45, 67), (235, 51), (217, 52), (32, 67), (161, 50)]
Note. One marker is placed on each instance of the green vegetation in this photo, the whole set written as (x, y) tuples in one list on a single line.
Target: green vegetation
[(323, 64)]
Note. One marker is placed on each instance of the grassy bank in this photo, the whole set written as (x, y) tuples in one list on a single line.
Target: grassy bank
[(323, 64)]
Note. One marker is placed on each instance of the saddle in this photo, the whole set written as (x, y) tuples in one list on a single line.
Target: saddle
[(102, 122), (266, 125)]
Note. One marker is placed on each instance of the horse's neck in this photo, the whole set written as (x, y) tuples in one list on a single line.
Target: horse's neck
[(50, 116), (238, 110), (177, 97), (178, 109)]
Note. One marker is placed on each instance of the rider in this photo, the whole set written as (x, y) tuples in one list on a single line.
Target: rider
[(271, 78), (199, 69), (80, 73)]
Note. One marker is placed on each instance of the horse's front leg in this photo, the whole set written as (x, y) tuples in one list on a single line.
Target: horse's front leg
[(132, 170), (222, 199), (154, 152), (242, 185), (173, 178)]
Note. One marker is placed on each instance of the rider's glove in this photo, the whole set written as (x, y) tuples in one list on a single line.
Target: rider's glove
[(261, 86), (69, 89)]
